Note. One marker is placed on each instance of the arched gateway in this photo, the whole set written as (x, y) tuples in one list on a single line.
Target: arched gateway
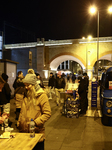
[(45, 56)]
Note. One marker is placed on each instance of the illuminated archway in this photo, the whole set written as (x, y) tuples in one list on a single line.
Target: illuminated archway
[(58, 60)]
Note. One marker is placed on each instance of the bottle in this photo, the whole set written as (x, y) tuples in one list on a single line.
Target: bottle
[(32, 128)]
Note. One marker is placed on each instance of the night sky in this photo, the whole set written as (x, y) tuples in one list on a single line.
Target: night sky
[(25, 21)]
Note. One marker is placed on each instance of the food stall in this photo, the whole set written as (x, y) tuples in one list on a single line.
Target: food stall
[(71, 101)]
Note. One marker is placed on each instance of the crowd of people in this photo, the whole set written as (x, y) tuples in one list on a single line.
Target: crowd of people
[(32, 101)]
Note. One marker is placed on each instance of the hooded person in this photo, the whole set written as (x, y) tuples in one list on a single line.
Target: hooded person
[(35, 106)]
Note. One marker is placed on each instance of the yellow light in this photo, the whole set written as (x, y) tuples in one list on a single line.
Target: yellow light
[(89, 37), (108, 111), (83, 37), (89, 63), (110, 9), (46, 73), (92, 10)]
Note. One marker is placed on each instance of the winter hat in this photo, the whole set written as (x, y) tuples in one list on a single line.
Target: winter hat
[(31, 71), (30, 79), (4, 76)]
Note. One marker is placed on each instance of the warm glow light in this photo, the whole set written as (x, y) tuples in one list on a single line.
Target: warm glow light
[(89, 37), (46, 73), (83, 37), (90, 75), (89, 63), (110, 9), (92, 10)]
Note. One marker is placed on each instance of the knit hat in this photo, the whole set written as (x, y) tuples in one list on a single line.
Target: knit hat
[(31, 71), (4, 76), (30, 79)]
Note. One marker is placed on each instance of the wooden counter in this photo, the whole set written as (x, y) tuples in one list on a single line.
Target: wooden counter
[(22, 141)]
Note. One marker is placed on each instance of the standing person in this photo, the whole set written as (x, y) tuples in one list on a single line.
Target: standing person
[(68, 78), (2, 82), (85, 76), (5, 97), (51, 84), (35, 106), (59, 87), (39, 80), (80, 75), (73, 77), (4, 115), (19, 95), (18, 79), (83, 95)]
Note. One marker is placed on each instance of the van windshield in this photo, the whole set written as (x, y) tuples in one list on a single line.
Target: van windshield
[(108, 80)]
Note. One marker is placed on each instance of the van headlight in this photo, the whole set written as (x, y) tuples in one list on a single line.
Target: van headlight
[(109, 104)]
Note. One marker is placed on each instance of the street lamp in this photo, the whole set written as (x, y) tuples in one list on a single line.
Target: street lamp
[(110, 9), (88, 39), (110, 12), (93, 10)]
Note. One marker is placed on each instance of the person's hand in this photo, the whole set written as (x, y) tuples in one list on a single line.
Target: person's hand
[(1, 120), (5, 115)]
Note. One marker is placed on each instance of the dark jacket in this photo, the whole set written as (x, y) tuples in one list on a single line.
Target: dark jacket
[(19, 94), (5, 95), (51, 82), (17, 83), (82, 90), (82, 87), (73, 77), (60, 83)]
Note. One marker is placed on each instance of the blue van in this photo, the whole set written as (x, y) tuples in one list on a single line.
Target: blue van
[(106, 96)]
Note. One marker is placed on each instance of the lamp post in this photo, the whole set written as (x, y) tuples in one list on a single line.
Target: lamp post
[(88, 39), (97, 42), (110, 12), (93, 10)]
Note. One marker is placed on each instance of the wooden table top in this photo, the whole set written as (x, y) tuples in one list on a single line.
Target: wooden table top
[(21, 141)]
